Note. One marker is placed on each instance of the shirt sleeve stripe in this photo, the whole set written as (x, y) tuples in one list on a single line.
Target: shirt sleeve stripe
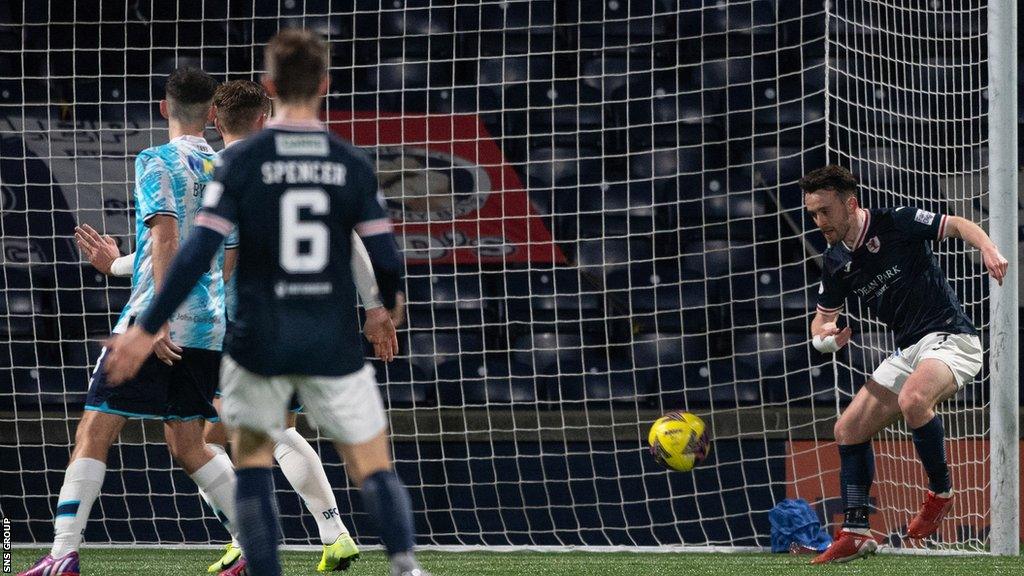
[(214, 222), (829, 310), (942, 227), (161, 213), (373, 227)]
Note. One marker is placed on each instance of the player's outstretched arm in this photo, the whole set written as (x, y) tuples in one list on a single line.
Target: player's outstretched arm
[(957, 227), (101, 251), (827, 337)]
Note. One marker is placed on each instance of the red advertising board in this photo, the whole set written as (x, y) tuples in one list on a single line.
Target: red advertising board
[(449, 191)]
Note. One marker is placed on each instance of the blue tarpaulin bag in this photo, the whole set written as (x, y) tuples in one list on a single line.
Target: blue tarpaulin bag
[(794, 523)]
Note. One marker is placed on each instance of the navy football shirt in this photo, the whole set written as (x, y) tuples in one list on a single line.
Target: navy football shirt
[(893, 271), (296, 194)]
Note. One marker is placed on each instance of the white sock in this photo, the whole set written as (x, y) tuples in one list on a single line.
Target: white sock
[(216, 482), (82, 482), (217, 451), (305, 472)]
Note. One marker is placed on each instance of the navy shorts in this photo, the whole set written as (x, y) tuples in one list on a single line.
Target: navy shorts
[(183, 391)]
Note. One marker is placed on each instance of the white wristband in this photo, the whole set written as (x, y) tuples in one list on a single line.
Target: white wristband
[(826, 345), (123, 266)]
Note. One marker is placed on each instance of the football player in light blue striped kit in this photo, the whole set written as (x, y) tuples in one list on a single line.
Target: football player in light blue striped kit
[(178, 381)]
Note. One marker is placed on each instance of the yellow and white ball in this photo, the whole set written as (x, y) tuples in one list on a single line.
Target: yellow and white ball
[(679, 441)]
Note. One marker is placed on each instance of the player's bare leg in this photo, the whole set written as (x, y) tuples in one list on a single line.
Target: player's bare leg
[(872, 409), (96, 433), (930, 383), (216, 433), (385, 498)]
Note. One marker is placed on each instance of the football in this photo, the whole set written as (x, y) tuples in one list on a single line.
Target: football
[(679, 440)]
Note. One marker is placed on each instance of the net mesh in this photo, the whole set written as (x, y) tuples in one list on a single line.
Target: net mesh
[(908, 110), (598, 210)]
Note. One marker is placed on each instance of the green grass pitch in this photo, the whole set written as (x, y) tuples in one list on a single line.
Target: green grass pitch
[(173, 561)]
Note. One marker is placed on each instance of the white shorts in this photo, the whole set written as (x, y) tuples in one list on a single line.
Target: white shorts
[(347, 409), (960, 352)]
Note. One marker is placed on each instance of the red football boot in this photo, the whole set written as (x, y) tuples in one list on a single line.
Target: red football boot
[(847, 546), (933, 510)]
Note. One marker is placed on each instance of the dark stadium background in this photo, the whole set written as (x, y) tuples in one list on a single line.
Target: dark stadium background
[(730, 136)]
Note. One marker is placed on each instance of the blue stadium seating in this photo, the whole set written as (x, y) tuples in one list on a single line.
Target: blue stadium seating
[(90, 301), (469, 383), (600, 256), (783, 165), (537, 297), (609, 71), (562, 109), (400, 85), (677, 370), (24, 314), (403, 384), (618, 212), (609, 379), (442, 297), (659, 296), (501, 27), (615, 24), (549, 354), (428, 349)]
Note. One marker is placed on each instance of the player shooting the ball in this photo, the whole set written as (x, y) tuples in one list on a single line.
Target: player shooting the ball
[(883, 257)]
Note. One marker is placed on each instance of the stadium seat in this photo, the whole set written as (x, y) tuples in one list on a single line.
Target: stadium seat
[(558, 170), (664, 110), (616, 211), (402, 383), (23, 312), (609, 378), (600, 256), (89, 300), (550, 354), (609, 72), (782, 165), (671, 366), (445, 297), (422, 30), (401, 85), (719, 258), (430, 348), (500, 27), (658, 296), (533, 297), (472, 384), (562, 109), (615, 24)]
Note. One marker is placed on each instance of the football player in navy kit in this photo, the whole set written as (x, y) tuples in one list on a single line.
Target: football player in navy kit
[(883, 257)]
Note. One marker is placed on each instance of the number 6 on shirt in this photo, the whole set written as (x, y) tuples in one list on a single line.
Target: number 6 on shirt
[(294, 231)]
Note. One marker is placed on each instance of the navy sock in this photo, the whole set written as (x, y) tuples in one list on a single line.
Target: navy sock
[(930, 441), (387, 502), (857, 472), (257, 518)]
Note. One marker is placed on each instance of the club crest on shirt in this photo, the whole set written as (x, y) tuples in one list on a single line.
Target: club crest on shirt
[(873, 244)]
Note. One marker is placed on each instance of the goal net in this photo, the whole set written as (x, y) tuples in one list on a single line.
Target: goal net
[(598, 208), (907, 112)]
